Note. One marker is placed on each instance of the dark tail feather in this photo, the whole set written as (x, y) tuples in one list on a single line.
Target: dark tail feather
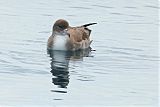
[(88, 24)]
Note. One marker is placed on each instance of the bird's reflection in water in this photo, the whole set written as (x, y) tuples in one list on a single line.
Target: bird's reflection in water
[(60, 65)]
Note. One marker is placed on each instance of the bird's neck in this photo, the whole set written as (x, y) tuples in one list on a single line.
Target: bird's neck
[(60, 42)]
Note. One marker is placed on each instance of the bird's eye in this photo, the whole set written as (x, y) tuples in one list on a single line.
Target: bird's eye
[(61, 27)]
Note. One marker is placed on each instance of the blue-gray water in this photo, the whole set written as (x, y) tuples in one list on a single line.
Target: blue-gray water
[(122, 71)]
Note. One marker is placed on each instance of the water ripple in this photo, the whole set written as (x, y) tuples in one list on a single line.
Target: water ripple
[(85, 80), (154, 7), (58, 91), (130, 49), (122, 14), (102, 6), (6, 14), (130, 7), (79, 7), (47, 15), (115, 13)]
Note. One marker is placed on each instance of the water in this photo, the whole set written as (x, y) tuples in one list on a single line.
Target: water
[(122, 71)]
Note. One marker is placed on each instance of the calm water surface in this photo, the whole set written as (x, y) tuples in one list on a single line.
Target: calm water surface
[(122, 71)]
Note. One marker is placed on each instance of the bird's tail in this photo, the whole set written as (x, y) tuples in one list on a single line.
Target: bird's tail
[(88, 24)]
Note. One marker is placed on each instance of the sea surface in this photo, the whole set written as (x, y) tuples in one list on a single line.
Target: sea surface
[(122, 70)]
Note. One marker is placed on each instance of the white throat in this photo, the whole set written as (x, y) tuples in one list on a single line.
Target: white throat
[(60, 42)]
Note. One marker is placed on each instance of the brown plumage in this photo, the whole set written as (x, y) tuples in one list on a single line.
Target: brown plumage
[(73, 38)]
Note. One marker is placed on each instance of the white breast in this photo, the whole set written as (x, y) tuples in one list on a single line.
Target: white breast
[(60, 42)]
